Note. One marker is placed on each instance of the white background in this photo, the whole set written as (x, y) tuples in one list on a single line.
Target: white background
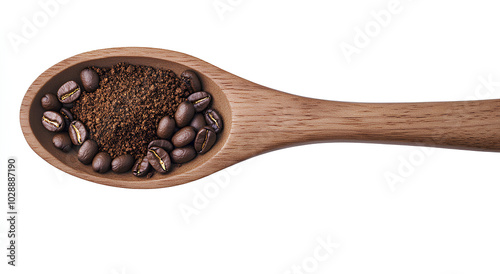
[(441, 216)]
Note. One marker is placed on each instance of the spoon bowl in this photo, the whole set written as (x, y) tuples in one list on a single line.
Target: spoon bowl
[(40, 139), (258, 119)]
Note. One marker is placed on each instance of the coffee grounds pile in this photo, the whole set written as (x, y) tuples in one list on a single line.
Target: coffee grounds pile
[(123, 113)]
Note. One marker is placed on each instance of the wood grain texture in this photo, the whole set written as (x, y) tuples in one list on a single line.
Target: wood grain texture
[(258, 119)]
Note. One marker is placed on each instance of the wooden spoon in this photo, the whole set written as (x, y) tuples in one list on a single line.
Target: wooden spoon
[(258, 119)]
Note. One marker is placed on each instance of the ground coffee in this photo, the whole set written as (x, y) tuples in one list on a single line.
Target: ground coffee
[(122, 115)]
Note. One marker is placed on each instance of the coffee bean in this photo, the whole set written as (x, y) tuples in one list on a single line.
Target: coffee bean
[(205, 139), (159, 159), (192, 80), (166, 127), (122, 163), (166, 145), (183, 155), (53, 121), (67, 116), (50, 102), (141, 167), (198, 121), (200, 100), (90, 79), (184, 114), (87, 152), (101, 162), (214, 120), (77, 132), (69, 92), (62, 141), (184, 136)]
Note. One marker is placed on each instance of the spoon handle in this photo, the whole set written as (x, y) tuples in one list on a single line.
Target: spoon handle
[(473, 125)]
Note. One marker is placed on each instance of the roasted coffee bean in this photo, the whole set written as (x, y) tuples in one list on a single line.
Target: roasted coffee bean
[(77, 132), (184, 136), (159, 159), (166, 145), (205, 139), (198, 121), (50, 102), (183, 154), (141, 167), (166, 127), (68, 92), (62, 141), (214, 120), (184, 114), (87, 152), (192, 80), (122, 163), (53, 121), (90, 79), (200, 100), (67, 116), (101, 162)]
